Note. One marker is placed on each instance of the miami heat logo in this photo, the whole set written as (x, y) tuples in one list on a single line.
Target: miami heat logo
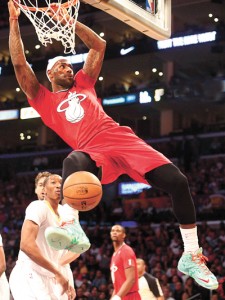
[(113, 269), (74, 112)]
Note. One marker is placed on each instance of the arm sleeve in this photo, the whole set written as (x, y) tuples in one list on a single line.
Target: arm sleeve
[(42, 103), (36, 212), (128, 256)]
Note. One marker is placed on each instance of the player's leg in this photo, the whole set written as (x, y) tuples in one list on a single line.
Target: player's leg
[(27, 284), (70, 234), (170, 179), (4, 287), (18, 284), (79, 161)]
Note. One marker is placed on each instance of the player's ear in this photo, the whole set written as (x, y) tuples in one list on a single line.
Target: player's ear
[(49, 72)]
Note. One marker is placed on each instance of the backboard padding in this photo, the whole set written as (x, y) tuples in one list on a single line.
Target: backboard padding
[(155, 26)]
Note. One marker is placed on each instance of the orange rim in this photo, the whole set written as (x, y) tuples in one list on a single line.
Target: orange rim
[(31, 8)]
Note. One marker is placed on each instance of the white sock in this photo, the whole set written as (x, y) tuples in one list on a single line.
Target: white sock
[(190, 239)]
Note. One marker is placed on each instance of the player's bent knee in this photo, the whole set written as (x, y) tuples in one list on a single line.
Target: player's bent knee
[(74, 160), (178, 180), (79, 161)]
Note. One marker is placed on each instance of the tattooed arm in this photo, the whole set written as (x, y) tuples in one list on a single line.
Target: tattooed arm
[(94, 42), (96, 46), (24, 74)]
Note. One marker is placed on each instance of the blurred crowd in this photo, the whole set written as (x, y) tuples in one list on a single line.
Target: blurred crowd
[(160, 246), (187, 150), (182, 87)]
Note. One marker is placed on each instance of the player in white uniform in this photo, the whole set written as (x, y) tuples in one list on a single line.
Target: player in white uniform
[(60, 237), (4, 285), (39, 273), (39, 191)]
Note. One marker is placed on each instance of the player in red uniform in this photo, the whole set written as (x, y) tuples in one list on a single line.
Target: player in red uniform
[(123, 267), (101, 145)]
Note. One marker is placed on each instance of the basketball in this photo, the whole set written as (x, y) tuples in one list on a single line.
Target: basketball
[(82, 190)]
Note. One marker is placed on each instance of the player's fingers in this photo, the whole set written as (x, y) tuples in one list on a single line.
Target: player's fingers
[(65, 287), (73, 295), (54, 5), (12, 4)]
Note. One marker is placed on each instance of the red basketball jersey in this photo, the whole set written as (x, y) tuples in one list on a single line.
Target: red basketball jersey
[(122, 259), (79, 119)]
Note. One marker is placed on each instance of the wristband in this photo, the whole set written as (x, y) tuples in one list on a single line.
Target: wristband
[(13, 18), (116, 297)]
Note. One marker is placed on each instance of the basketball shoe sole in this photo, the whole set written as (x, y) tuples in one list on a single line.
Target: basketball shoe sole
[(68, 236)]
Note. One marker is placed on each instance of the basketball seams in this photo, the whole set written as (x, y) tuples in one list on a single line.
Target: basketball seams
[(83, 198), (79, 183)]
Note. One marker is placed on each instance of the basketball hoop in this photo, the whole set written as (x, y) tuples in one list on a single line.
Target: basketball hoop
[(49, 27)]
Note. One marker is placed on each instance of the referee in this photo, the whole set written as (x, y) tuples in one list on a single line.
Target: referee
[(149, 287)]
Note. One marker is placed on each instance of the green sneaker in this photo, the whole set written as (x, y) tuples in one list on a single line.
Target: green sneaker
[(194, 265), (69, 235)]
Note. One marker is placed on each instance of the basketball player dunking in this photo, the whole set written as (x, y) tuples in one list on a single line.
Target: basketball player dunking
[(102, 144)]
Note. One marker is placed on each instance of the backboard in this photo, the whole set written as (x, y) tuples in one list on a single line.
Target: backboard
[(151, 17)]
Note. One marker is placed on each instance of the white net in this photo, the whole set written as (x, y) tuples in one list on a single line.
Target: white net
[(59, 26)]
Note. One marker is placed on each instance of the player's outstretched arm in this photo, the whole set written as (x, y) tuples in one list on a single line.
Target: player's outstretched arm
[(24, 74), (96, 46), (93, 41)]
